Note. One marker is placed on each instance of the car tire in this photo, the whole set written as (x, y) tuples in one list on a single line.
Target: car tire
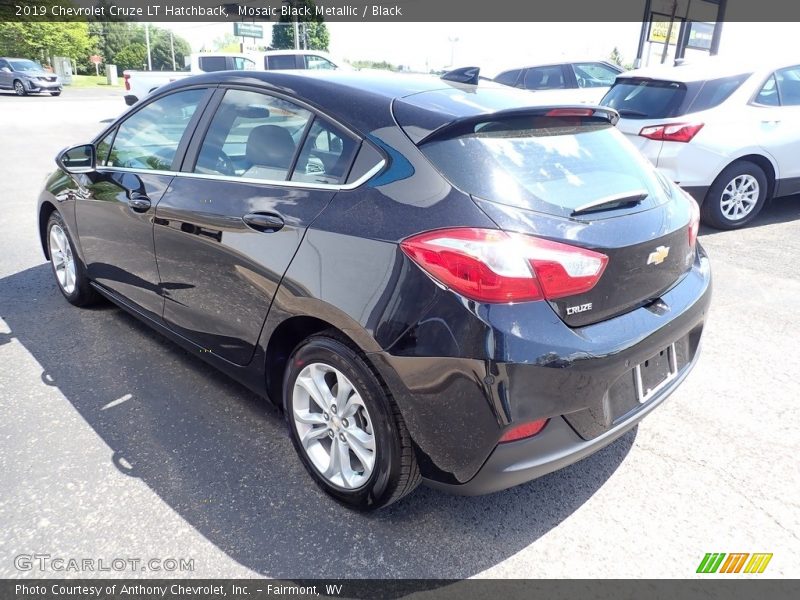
[(736, 197), (68, 270), (19, 88), (366, 429), (55, 93)]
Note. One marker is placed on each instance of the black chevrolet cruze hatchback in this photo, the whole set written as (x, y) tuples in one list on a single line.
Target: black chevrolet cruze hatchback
[(434, 280)]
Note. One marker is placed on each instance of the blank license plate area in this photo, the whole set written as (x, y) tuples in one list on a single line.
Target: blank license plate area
[(654, 373)]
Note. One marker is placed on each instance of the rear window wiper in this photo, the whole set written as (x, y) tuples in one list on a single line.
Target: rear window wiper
[(630, 198)]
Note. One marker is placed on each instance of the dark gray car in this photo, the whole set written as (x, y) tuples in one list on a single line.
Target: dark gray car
[(25, 76)]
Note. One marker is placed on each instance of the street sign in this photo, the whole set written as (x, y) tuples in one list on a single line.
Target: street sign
[(658, 32), (251, 30), (700, 36), (95, 59)]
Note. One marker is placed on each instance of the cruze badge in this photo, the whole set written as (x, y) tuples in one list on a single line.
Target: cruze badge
[(658, 255), (571, 310)]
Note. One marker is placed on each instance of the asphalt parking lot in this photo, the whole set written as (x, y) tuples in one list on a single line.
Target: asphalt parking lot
[(116, 443)]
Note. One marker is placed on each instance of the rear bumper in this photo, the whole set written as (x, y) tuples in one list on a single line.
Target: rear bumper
[(556, 447), (698, 192), (458, 402)]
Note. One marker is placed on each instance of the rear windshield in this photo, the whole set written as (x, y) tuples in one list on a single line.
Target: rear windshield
[(648, 99), (645, 99), (547, 164)]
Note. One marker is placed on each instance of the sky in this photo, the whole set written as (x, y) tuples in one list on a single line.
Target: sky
[(495, 46)]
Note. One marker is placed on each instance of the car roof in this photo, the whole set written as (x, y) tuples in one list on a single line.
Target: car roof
[(559, 61), (708, 68), (364, 99)]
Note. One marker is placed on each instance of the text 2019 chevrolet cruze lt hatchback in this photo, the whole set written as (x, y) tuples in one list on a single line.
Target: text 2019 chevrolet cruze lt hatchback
[(434, 280)]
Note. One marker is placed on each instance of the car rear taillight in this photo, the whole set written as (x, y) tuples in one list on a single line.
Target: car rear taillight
[(672, 132), (489, 265), (570, 112), (525, 430), (127, 79)]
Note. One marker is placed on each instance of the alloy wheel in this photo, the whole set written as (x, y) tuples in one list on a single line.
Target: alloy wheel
[(334, 426), (62, 259), (19, 88), (739, 197)]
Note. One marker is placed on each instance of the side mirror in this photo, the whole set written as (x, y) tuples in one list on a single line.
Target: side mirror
[(77, 159), (5, 70)]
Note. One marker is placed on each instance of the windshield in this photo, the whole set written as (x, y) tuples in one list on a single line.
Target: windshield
[(25, 65), (548, 164)]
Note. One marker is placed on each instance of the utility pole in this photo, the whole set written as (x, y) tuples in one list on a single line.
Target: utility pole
[(172, 48), (147, 41), (453, 41)]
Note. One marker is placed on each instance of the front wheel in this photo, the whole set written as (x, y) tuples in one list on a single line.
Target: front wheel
[(736, 197), (58, 93), (19, 88), (69, 272), (345, 427)]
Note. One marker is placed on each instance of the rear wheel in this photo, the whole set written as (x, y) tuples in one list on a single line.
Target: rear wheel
[(19, 88), (345, 427), (736, 197), (68, 270)]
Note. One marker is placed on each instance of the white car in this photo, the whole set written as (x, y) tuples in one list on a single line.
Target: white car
[(273, 60), (727, 133), (582, 82)]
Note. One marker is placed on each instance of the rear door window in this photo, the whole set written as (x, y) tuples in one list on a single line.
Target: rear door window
[(326, 155), (282, 61), (312, 61), (545, 78), (547, 164), (211, 64), (788, 81), (768, 94), (252, 135)]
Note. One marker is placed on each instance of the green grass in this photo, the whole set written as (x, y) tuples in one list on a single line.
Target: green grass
[(89, 81)]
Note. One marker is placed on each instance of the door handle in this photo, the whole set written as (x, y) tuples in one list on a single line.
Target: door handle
[(264, 222), (139, 203)]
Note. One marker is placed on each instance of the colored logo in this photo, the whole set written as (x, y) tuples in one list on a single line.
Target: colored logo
[(658, 255), (734, 563)]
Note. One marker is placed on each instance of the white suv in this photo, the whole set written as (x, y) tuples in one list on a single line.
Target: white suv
[(728, 134)]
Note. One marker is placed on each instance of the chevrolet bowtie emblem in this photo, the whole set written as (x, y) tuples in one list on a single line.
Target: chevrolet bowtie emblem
[(658, 255)]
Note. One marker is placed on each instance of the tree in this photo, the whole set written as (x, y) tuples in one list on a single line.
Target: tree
[(42, 40), (615, 57), (226, 43), (316, 32), (133, 56)]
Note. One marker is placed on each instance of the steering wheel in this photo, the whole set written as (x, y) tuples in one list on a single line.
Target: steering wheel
[(216, 161)]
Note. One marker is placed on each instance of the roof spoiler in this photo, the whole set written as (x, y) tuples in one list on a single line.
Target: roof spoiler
[(466, 125), (470, 75)]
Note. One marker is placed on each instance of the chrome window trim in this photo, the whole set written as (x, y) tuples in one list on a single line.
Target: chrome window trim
[(230, 178)]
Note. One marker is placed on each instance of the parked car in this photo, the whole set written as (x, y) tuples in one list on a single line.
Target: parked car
[(279, 60), (568, 82), (141, 83), (25, 77), (434, 281), (727, 133)]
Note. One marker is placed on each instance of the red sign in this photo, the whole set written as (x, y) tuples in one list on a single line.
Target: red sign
[(95, 59)]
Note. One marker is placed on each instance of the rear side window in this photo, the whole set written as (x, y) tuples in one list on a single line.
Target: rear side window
[(715, 91), (646, 99), (210, 64), (768, 94), (547, 164), (509, 77), (282, 61)]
